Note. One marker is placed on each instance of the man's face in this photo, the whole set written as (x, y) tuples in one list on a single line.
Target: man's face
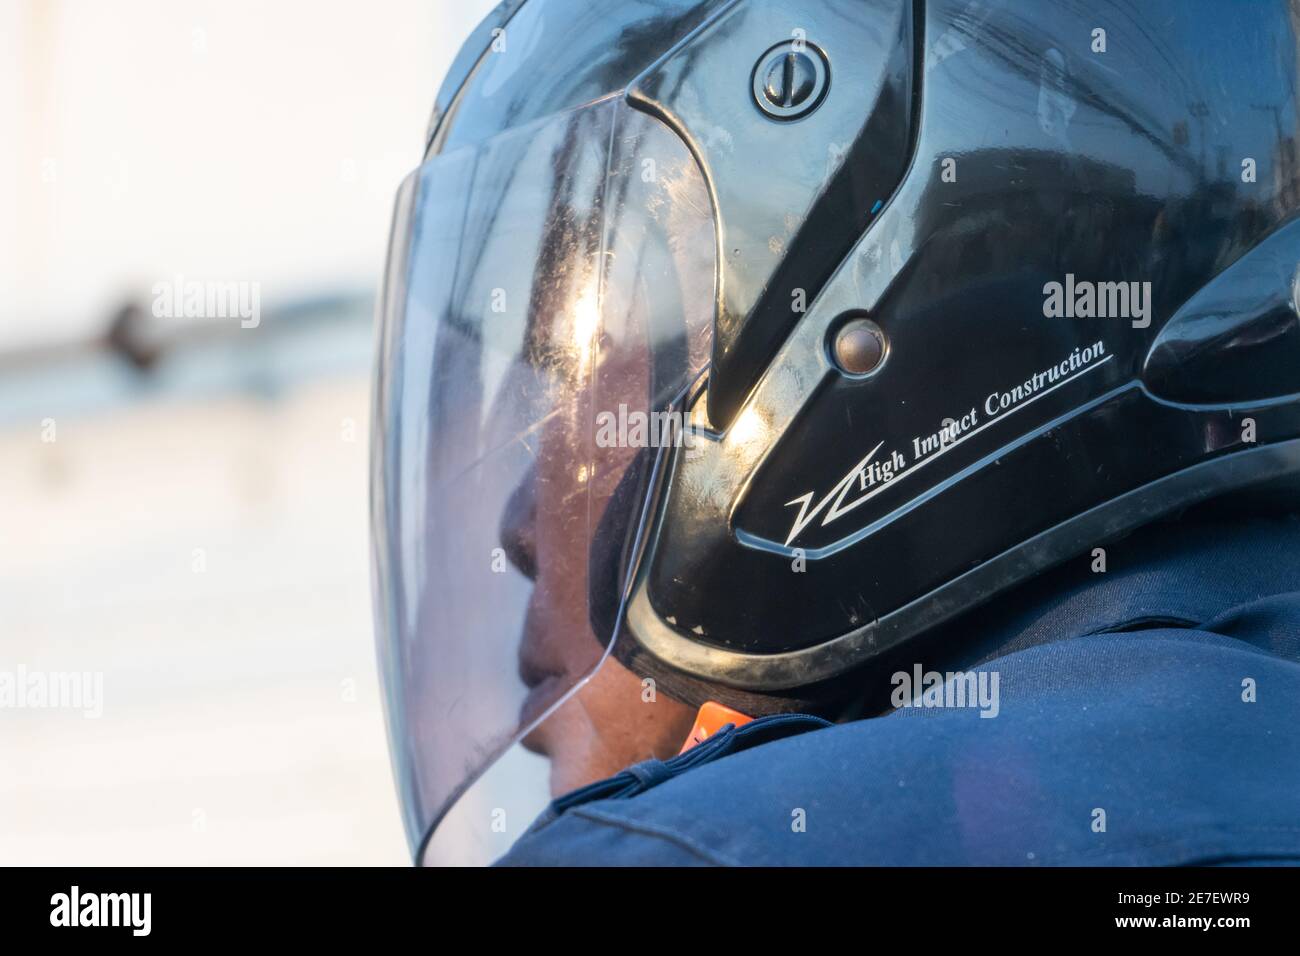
[(614, 719)]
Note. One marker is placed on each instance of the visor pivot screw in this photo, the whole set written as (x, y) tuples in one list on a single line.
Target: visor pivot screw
[(858, 347), (791, 79)]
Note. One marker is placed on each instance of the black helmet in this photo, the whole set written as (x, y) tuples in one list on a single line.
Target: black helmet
[(729, 347)]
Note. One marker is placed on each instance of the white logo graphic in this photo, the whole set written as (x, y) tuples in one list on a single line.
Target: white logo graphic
[(871, 476), (862, 471)]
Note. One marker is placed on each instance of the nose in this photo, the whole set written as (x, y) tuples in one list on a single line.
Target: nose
[(518, 531)]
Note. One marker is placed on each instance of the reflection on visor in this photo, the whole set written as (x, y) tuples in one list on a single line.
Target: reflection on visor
[(556, 276)]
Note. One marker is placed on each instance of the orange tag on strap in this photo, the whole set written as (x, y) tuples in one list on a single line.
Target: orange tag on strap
[(712, 718)]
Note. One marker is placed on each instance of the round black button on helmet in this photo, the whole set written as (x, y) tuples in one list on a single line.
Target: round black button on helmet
[(791, 79)]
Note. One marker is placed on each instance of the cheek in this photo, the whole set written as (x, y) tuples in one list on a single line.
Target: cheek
[(567, 513), (608, 726), (559, 601), (634, 725)]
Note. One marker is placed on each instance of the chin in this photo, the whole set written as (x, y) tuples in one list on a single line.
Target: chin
[(567, 775), (535, 741)]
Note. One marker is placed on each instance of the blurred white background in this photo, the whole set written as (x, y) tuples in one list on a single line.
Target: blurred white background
[(196, 529)]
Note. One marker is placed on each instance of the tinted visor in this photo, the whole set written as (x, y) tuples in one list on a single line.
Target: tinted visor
[(546, 293)]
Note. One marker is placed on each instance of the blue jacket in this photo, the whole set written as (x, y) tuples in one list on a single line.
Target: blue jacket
[(1146, 715)]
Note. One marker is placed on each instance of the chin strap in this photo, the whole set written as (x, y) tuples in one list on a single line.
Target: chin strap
[(711, 718)]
